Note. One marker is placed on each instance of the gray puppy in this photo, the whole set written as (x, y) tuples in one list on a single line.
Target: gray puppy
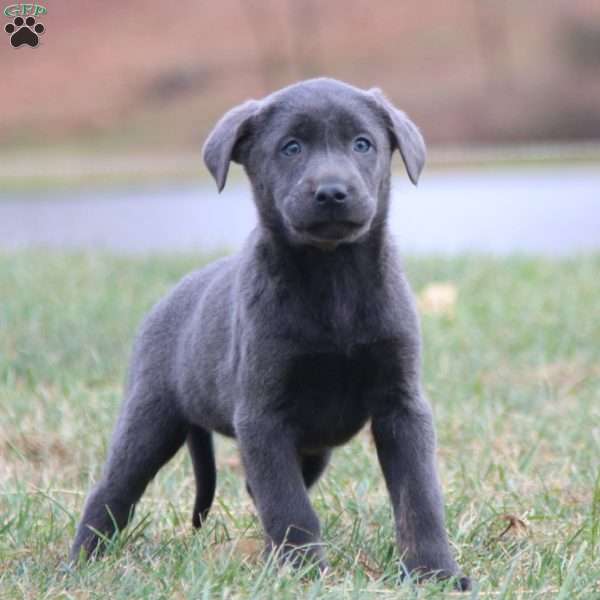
[(293, 344)]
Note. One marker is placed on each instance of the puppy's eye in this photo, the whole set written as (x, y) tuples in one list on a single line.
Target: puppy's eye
[(292, 148), (361, 145)]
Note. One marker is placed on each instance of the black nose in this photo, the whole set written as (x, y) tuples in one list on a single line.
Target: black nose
[(329, 193)]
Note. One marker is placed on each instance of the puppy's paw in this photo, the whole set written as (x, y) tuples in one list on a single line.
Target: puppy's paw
[(460, 582)]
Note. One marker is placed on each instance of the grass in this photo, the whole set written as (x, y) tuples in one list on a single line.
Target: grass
[(512, 369)]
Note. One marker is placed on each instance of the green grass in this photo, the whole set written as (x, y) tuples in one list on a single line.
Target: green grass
[(513, 373), (17, 188)]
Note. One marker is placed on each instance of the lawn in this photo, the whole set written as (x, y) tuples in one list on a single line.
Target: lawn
[(512, 367)]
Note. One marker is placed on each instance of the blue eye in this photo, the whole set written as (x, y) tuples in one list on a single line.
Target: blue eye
[(292, 148), (361, 145)]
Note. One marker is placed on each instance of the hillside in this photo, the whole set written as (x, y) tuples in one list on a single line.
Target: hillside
[(140, 74)]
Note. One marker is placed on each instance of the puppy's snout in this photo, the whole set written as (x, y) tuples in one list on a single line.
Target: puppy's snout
[(331, 193)]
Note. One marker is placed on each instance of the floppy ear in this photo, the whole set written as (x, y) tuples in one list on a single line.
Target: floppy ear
[(220, 147), (405, 134)]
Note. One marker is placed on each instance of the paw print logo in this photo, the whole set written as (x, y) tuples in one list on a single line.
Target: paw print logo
[(24, 31)]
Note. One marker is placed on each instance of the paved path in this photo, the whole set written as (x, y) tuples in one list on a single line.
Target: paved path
[(540, 211)]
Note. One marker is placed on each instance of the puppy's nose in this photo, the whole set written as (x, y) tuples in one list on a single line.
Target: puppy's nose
[(331, 193)]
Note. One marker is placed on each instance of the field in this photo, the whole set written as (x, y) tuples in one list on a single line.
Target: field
[(512, 367)]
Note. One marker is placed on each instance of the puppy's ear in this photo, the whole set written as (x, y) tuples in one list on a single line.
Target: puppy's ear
[(405, 135), (220, 147)]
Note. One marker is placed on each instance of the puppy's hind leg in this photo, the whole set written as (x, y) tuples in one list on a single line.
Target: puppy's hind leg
[(200, 446), (149, 432)]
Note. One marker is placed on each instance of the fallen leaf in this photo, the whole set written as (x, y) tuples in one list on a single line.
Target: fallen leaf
[(246, 548), (516, 527), (438, 299)]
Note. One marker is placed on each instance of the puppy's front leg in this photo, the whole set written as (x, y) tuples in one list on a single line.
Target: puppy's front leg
[(405, 441), (274, 474)]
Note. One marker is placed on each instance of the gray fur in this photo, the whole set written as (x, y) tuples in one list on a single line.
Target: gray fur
[(296, 342)]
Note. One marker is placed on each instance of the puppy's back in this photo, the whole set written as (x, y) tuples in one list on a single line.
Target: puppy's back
[(168, 325)]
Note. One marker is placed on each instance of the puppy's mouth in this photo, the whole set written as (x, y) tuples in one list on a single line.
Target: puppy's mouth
[(328, 235), (333, 230)]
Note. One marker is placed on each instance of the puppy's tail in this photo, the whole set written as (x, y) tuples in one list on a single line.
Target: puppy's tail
[(200, 445)]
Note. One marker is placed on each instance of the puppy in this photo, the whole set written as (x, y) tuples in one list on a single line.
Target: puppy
[(295, 343)]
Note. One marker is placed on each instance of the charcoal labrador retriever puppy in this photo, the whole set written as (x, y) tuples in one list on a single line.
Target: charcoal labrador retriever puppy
[(295, 343)]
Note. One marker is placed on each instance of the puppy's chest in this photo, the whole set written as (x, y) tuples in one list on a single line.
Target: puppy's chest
[(328, 395)]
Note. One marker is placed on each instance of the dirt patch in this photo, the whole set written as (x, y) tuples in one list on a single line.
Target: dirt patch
[(564, 376), (35, 448)]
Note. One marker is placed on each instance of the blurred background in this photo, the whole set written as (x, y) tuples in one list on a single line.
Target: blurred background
[(118, 97)]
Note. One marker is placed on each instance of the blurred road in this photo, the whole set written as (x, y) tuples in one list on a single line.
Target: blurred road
[(540, 211)]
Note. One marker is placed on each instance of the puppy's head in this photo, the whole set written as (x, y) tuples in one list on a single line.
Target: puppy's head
[(318, 156)]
